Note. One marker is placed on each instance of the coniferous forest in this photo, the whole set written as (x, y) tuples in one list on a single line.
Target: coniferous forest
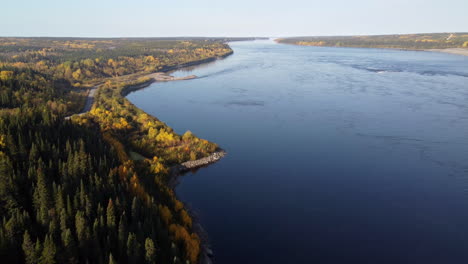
[(93, 188)]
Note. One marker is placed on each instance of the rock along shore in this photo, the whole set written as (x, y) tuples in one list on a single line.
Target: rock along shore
[(206, 252), (194, 164)]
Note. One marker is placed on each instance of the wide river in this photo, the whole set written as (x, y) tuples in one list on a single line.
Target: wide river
[(335, 155)]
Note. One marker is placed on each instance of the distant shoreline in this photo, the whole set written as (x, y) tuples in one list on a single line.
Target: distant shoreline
[(456, 51), (446, 42)]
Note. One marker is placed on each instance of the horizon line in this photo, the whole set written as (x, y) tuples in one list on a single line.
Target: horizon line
[(220, 37)]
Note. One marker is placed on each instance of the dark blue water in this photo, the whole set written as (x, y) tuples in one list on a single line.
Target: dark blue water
[(336, 155)]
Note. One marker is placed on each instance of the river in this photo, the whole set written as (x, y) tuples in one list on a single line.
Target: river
[(335, 155)]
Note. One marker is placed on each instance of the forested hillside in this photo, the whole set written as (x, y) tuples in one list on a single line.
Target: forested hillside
[(92, 188), (406, 41)]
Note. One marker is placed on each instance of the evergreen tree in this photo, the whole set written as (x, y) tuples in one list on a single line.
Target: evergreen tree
[(110, 215), (28, 249), (132, 248), (42, 194), (81, 228), (38, 249), (48, 252), (69, 246)]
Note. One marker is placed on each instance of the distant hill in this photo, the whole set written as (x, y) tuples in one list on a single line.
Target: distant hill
[(406, 41)]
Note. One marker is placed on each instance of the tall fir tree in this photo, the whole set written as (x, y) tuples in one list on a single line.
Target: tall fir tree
[(28, 247)]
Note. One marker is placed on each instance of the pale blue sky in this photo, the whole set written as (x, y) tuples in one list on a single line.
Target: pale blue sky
[(156, 18)]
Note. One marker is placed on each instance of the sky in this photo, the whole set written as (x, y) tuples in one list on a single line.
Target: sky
[(272, 18)]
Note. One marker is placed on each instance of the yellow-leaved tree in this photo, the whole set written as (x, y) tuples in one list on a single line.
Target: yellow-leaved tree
[(5, 75)]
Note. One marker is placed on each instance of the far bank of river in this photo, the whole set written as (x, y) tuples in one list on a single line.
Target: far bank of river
[(457, 51)]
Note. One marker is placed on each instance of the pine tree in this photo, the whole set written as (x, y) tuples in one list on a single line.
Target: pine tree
[(69, 247), (8, 189), (81, 228), (48, 252), (37, 249), (63, 220), (33, 153), (28, 249), (132, 248), (59, 202), (42, 192), (110, 215)]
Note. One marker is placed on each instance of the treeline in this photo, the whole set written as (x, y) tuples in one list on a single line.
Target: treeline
[(71, 190), (406, 41)]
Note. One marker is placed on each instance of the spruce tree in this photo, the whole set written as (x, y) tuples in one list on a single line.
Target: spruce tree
[(110, 215), (132, 248), (28, 249), (42, 194), (48, 252), (69, 245)]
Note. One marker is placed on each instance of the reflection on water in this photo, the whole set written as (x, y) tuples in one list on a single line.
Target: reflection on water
[(335, 155)]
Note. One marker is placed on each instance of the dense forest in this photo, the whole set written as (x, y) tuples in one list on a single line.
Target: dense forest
[(406, 41), (92, 188)]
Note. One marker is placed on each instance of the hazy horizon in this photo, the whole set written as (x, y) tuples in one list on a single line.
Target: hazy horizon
[(209, 18), (196, 36)]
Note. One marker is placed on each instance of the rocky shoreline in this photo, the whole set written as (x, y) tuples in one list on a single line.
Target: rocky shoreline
[(180, 169), (194, 164), (206, 252)]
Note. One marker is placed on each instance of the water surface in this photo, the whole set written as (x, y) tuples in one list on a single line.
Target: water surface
[(335, 155)]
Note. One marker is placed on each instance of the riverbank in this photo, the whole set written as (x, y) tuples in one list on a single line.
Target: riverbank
[(206, 252), (457, 51), (164, 76)]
